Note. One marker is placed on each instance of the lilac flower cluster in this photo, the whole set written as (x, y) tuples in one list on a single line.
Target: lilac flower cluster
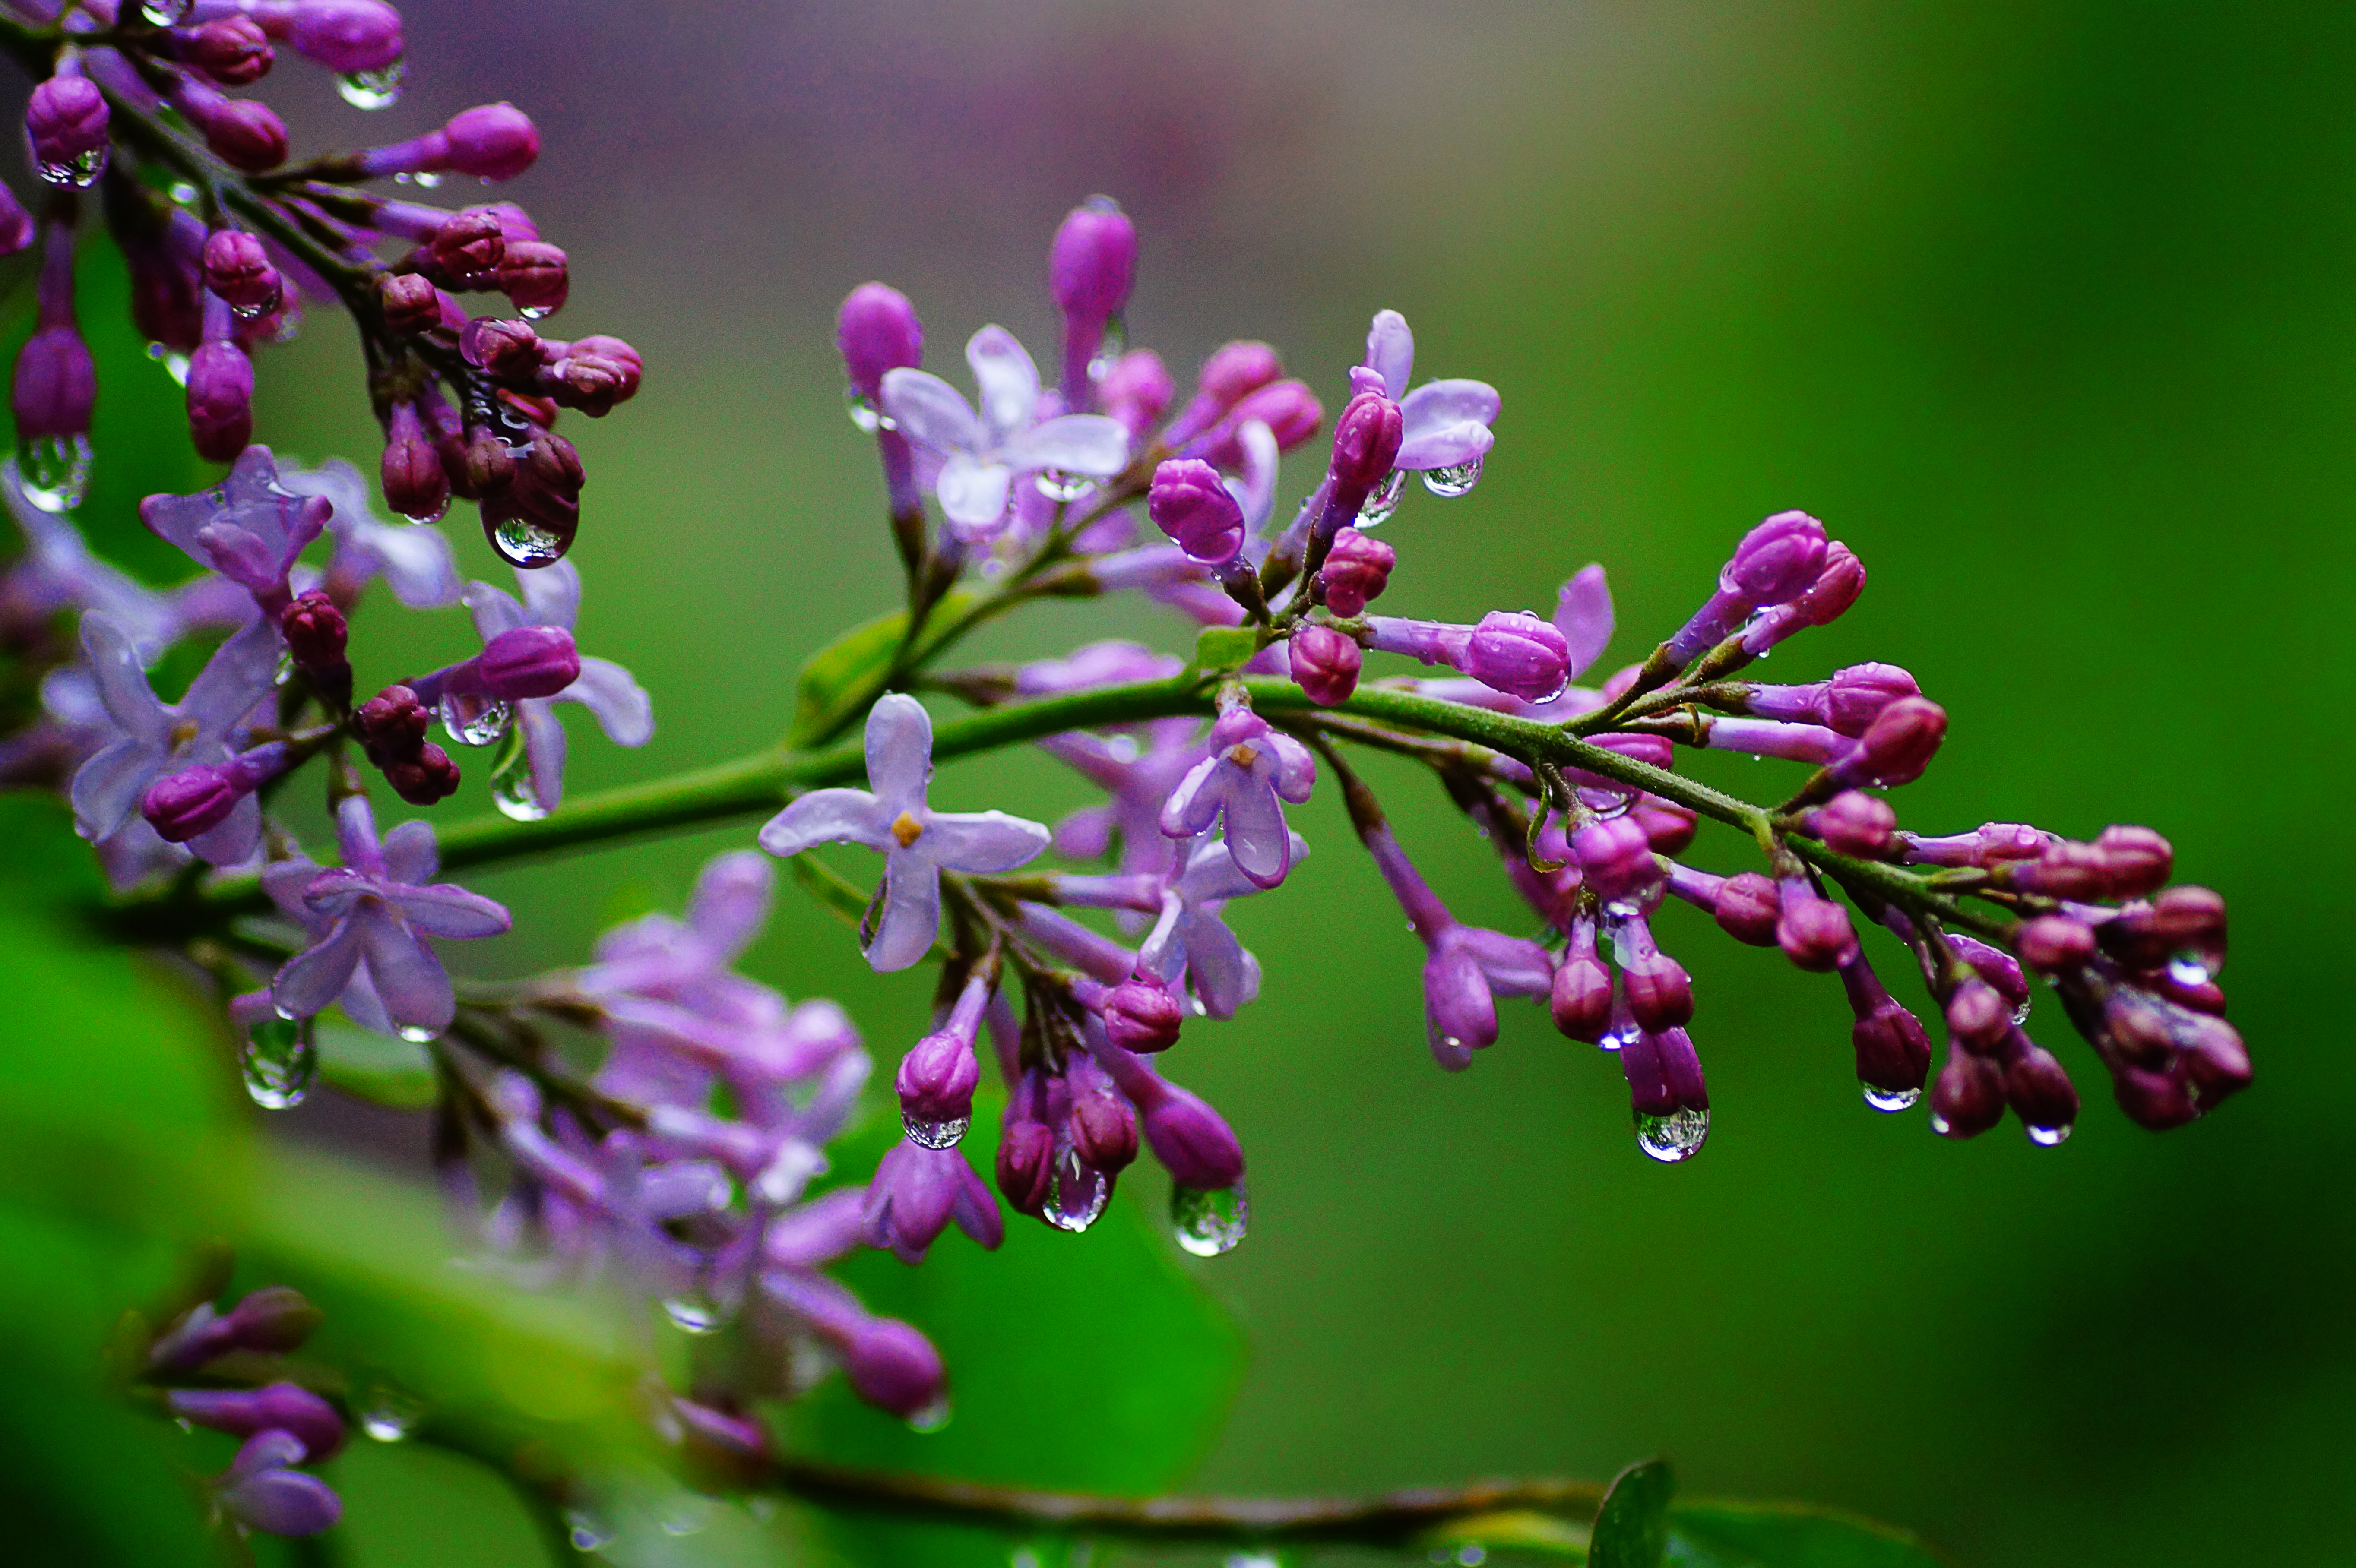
[(224, 240)]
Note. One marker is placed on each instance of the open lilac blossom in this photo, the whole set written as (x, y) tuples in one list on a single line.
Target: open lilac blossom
[(551, 597), (262, 1491), (249, 527), (1250, 771), (980, 455), (918, 842), (150, 738), (369, 920), (57, 572), (1467, 969), (1190, 943), (1445, 425), (917, 1193), (414, 561)]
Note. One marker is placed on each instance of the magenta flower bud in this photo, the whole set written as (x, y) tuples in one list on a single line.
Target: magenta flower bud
[(1025, 1165), (1897, 747), (278, 1407), (1857, 696), (468, 248), (1232, 373), (239, 271), (242, 133), (194, 801), (1813, 932), (1366, 448), (55, 385), (1616, 858), (344, 36), (1977, 1016), (2037, 1089), (1968, 1098), (232, 52), (1893, 1050), (66, 119), (2182, 925), (259, 1491), (1142, 1014), (2051, 944), (535, 277), (1836, 588), (1750, 908), (411, 304), (509, 351), (1660, 994), (1190, 503), (1356, 570), (1137, 390), (1580, 999), (2138, 860), (1854, 823), (1092, 265), (416, 483), (529, 661), (491, 141), (272, 1320), (1669, 827), (893, 1367), (1664, 1088), (221, 400), (937, 1080), (314, 630), (1289, 408), (1326, 663), (1779, 560), (878, 331), (1192, 1141), (1514, 652)]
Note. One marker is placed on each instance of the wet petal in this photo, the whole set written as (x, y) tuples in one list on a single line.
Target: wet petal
[(446, 910), (899, 752), (411, 854), (823, 816), (980, 841), (1436, 405), (551, 594), (314, 977), (1076, 443), (544, 747), (1256, 836), (285, 882), (1446, 447), (409, 980), (1194, 803), (1295, 773), (1390, 352), (107, 789), (495, 612), (235, 839), (912, 914), (1009, 383), (122, 686), (1582, 613), (930, 411), (614, 700), (241, 672), (1215, 963), (973, 493)]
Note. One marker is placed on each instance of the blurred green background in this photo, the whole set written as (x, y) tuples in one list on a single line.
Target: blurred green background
[(2045, 309)]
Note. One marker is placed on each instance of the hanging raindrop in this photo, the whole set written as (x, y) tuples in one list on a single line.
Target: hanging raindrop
[(1673, 1137), (524, 543), (1076, 1195), (516, 795), (935, 1135), (166, 12), (695, 1312), (1210, 1222), (1384, 501), (388, 1414), (863, 412), (1883, 1099), (373, 89), (55, 470), (2046, 1137), (1058, 485), (475, 720), (78, 173), (932, 1416), (1453, 480), (280, 1059)]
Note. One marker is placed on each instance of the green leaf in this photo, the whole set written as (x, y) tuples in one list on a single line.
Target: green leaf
[(842, 678), (1632, 1528), (1226, 647), (1090, 1362), (1773, 1535)]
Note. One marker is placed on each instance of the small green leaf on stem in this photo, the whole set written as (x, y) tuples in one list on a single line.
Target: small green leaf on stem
[(841, 679), (1226, 647), (1632, 1530)]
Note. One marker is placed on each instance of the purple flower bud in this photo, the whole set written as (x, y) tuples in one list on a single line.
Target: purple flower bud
[(344, 36), (937, 1080), (1137, 390), (1194, 1145), (1232, 373), (1092, 265), (2138, 860), (392, 724), (1289, 408), (893, 1367), (1976, 1015), (2037, 1089), (1365, 447), (1856, 696), (1779, 560), (56, 386), (66, 119), (1616, 858), (1836, 588), (281, 1407), (411, 304), (2180, 922), (273, 1320), (467, 248), (535, 276), (1669, 827), (221, 400), (194, 801), (1580, 1000), (261, 1493), (1142, 1014), (529, 661), (1749, 908), (1854, 823), (1326, 663), (1103, 1124), (1893, 1050), (1190, 503), (1027, 1164), (1356, 570), (509, 350), (878, 331), (2053, 943), (1666, 1093), (491, 141), (1813, 932), (1515, 652), (1968, 1097), (238, 270), (1660, 994), (232, 52), (416, 484), (242, 133), (1897, 747)]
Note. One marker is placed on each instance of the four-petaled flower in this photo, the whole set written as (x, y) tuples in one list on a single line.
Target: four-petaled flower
[(1444, 424), (1250, 771), (980, 455), (551, 597), (918, 843), (1191, 940), (249, 527), (367, 921)]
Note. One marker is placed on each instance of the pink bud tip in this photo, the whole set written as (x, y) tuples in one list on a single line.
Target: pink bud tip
[(1326, 663), (1189, 502), (1356, 570), (878, 331), (1092, 265), (492, 141)]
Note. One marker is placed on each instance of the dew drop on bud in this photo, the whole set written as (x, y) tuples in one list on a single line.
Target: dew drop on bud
[(522, 542), (78, 173), (863, 412), (1453, 480), (166, 12), (2189, 969), (1673, 1137), (2046, 1137), (417, 1034), (1076, 1195), (1883, 1099), (475, 720), (932, 1416), (935, 1135), (1209, 1222), (279, 1060), (1384, 501), (516, 795), (388, 1415), (55, 470), (378, 89)]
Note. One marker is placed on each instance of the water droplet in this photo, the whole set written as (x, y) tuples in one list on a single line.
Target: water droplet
[(174, 365), (279, 1060), (166, 12), (390, 1416), (694, 1313), (516, 796), (1472, 1554), (253, 312), (1619, 1036), (1258, 1557), (475, 720), (1940, 1125), (373, 89), (935, 1135), (2187, 968), (1384, 501), (590, 1533), (863, 412), (2046, 1137), (183, 192), (1455, 479), (932, 1416), (424, 181), (536, 312), (1058, 485), (78, 173), (1114, 344), (1210, 1222), (522, 542), (417, 1034), (1673, 1137), (1883, 1099), (1076, 1196), (2021, 1013), (55, 470)]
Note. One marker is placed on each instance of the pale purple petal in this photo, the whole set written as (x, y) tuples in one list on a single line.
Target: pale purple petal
[(1086, 833), (410, 981), (123, 684), (283, 1502), (1008, 379), (314, 977), (355, 839), (335, 892), (899, 753), (1216, 963), (981, 841), (1582, 613), (494, 611), (417, 562), (1448, 446), (972, 492), (1390, 352), (241, 672), (1295, 770), (362, 1005), (285, 882), (614, 700), (930, 411), (911, 913), (234, 841), (1076, 443), (239, 554), (1256, 834), (826, 817), (1255, 488), (544, 747), (1194, 803), (974, 1209), (1515, 965), (446, 910), (1458, 1012), (107, 789), (551, 594), (731, 902), (1436, 405), (410, 853)]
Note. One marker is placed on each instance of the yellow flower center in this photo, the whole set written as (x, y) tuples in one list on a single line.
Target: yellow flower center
[(1242, 755), (907, 829)]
